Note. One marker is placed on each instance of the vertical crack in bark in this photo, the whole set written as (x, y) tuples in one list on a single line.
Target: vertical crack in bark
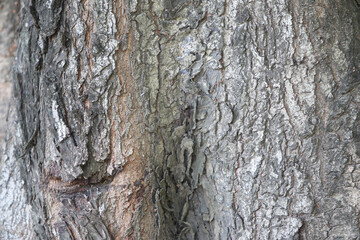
[(88, 22)]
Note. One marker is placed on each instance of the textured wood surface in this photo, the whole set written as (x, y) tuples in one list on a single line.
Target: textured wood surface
[(186, 119)]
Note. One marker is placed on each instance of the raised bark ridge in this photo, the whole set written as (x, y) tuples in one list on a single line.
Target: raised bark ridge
[(76, 134)]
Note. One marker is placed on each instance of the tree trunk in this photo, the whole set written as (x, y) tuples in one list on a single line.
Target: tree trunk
[(8, 19), (184, 119)]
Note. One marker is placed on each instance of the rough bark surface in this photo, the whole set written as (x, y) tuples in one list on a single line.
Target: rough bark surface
[(8, 18), (15, 220), (185, 119)]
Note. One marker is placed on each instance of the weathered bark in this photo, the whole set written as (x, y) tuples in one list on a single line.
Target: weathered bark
[(14, 212), (8, 18), (226, 119)]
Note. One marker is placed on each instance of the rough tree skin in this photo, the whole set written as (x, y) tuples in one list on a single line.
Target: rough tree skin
[(8, 19), (184, 119)]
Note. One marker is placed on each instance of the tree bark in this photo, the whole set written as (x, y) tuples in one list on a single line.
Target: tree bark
[(184, 119), (8, 20)]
